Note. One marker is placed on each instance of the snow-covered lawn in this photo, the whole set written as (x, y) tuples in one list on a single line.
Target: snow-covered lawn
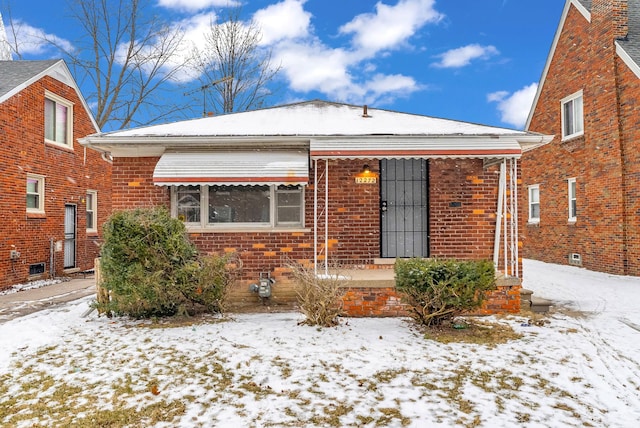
[(581, 368)]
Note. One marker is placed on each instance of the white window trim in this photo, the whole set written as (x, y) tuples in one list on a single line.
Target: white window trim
[(532, 219), (572, 218), (94, 210), (564, 101), (58, 99), (271, 225), (41, 193)]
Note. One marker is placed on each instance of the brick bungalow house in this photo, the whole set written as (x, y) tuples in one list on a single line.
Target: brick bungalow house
[(54, 193), (331, 184), (581, 193)]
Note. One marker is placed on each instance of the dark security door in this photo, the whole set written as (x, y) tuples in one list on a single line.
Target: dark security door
[(69, 236), (404, 207)]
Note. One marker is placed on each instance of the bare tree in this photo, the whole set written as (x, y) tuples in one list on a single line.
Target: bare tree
[(232, 49), (128, 55)]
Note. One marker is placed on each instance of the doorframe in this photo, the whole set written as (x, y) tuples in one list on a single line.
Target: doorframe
[(75, 238), (427, 210)]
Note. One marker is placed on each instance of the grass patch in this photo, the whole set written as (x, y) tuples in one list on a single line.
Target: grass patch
[(476, 332)]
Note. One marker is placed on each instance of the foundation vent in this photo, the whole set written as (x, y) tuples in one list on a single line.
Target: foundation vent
[(575, 259)]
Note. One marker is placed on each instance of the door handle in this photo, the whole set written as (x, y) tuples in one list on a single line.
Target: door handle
[(383, 206)]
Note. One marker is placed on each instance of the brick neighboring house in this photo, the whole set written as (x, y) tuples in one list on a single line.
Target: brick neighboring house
[(581, 193), (328, 183), (54, 193)]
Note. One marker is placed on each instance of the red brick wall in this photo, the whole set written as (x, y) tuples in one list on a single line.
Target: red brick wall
[(465, 231), (133, 184), (629, 90), (68, 175), (584, 60)]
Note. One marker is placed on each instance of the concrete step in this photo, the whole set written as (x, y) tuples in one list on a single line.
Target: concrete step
[(540, 305)]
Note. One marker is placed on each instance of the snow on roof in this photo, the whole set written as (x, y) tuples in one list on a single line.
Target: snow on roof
[(314, 118)]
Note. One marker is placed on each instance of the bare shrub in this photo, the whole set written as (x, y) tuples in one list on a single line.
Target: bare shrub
[(319, 296)]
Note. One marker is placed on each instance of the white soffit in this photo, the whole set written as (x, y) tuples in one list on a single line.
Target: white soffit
[(484, 147), (232, 168)]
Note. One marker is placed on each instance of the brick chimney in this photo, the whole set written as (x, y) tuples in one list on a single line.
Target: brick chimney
[(614, 12)]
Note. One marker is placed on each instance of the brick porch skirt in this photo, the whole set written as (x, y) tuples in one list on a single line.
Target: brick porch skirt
[(378, 300)]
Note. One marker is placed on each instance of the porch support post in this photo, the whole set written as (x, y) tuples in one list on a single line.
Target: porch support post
[(315, 217), (326, 218), (499, 213), (514, 218)]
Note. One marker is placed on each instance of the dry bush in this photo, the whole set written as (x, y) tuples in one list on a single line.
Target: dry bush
[(319, 297)]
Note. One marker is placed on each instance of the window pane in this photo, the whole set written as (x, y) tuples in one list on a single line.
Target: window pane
[(579, 121), (568, 118), (61, 124), (239, 204), (32, 185), (49, 119), (534, 195), (90, 212), (289, 200), (33, 201), (188, 201), (535, 210)]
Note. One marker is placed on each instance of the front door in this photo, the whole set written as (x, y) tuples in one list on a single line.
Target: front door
[(404, 207), (69, 236)]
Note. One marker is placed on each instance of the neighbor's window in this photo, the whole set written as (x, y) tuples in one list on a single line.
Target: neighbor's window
[(573, 208), (220, 206), (572, 116), (534, 204), (58, 119), (35, 193), (92, 210)]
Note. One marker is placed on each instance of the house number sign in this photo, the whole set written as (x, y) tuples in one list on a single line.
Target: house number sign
[(366, 179)]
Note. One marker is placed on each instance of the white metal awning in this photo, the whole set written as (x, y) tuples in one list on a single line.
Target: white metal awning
[(424, 147), (233, 168)]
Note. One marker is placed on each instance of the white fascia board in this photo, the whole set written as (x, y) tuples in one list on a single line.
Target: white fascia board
[(157, 145), (624, 56), (552, 51)]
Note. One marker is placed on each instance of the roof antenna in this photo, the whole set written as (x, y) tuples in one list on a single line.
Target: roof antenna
[(365, 111), (204, 88)]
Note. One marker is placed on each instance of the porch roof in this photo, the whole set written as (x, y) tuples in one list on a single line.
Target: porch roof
[(232, 168), (403, 148)]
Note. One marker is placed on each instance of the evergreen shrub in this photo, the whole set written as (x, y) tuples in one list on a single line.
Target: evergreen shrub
[(439, 290), (151, 269)]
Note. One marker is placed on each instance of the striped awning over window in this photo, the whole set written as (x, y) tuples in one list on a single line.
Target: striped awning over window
[(233, 168)]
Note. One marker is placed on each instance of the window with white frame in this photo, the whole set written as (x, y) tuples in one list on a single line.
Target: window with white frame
[(572, 116), (534, 203), (92, 210), (225, 206), (58, 120), (573, 207), (35, 193)]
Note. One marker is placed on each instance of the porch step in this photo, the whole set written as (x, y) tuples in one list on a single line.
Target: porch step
[(528, 302), (540, 305)]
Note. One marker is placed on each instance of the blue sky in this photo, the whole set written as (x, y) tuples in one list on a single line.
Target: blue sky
[(471, 60)]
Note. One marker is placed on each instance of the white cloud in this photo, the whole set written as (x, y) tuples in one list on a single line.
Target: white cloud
[(391, 83), (314, 67), (390, 26), (514, 108), (460, 57), (284, 20), (196, 5), (33, 41)]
